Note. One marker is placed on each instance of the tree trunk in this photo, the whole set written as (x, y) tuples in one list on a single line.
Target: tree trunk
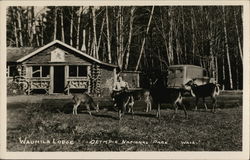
[(144, 39), (193, 35), (184, 34), (15, 33), (178, 50), (100, 36), (89, 49), (211, 53), (30, 18), (83, 41), (62, 26), (216, 70), (78, 28), (129, 36), (227, 49), (117, 39), (119, 36), (94, 45), (71, 26), (238, 36), (14, 24), (42, 30), (170, 38), (108, 36), (19, 20), (223, 69), (55, 23), (14, 21), (37, 39), (164, 35)]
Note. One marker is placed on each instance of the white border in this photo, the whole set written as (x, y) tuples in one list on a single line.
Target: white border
[(125, 155)]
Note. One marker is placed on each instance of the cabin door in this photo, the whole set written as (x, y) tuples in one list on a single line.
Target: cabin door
[(59, 77)]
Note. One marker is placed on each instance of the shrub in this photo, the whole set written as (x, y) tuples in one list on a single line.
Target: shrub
[(14, 88)]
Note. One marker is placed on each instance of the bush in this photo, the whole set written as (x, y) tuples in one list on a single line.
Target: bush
[(14, 88)]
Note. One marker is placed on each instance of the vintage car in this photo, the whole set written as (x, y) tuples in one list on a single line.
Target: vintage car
[(179, 75)]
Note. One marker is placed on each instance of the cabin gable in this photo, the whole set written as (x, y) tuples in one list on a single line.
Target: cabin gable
[(45, 56)]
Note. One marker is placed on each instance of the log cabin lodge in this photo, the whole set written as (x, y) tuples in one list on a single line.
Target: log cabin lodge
[(60, 68)]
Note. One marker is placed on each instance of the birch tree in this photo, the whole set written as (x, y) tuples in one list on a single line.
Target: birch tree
[(55, 23), (144, 39), (62, 26), (238, 36), (108, 36), (94, 43), (71, 26), (132, 10), (227, 49), (19, 21)]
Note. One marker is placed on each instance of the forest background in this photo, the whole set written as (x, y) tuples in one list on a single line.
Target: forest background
[(140, 38)]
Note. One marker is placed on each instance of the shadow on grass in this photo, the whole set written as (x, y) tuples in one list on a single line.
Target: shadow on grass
[(145, 114), (104, 116)]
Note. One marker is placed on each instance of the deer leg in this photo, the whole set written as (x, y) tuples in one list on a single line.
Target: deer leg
[(132, 111), (150, 106), (75, 107), (119, 114), (127, 104), (184, 109), (88, 109), (123, 109), (158, 114), (97, 107), (129, 110), (196, 103), (204, 103), (176, 109), (214, 104)]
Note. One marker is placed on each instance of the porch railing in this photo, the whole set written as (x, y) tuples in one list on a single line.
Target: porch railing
[(76, 83), (39, 83)]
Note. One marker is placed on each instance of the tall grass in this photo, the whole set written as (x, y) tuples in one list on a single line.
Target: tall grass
[(51, 119)]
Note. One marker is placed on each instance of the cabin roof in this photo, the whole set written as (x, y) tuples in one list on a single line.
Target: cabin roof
[(14, 53), (21, 54)]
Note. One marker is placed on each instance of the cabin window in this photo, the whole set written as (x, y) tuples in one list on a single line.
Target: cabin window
[(36, 71), (12, 71), (78, 71), (40, 71), (45, 71), (82, 70), (73, 71)]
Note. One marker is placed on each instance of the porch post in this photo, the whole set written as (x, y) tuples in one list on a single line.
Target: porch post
[(51, 89), (66, 71), (29, 76), (89, 79)]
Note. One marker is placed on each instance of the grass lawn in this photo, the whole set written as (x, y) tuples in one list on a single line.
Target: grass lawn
[(48, 123)]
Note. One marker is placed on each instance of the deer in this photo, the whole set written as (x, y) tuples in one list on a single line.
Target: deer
[(148, 100), (161, 94), (202, 91), (123, 100), (87, 100)]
